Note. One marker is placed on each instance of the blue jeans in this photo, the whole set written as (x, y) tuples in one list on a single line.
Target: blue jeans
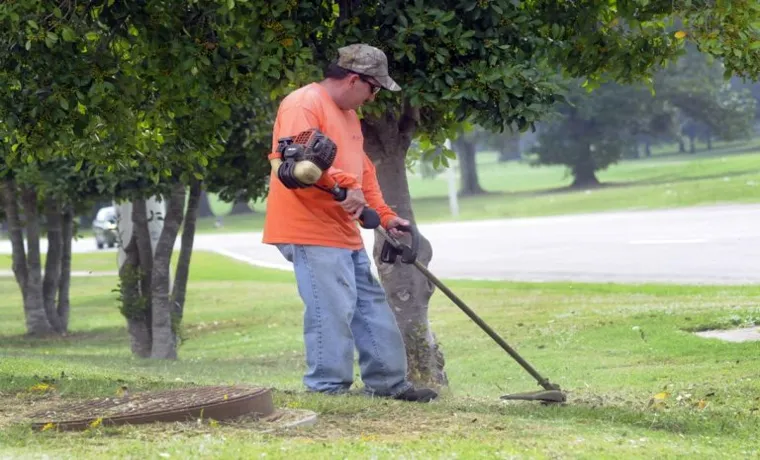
[(346, 308)]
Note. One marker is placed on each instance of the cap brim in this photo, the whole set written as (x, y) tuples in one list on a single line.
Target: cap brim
[(388, 83)]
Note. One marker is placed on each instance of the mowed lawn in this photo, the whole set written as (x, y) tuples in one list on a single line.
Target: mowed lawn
[(728, 174), (640, 383)]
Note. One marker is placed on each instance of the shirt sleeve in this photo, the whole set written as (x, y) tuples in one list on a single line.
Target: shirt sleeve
[(289, 123), (373, 194)]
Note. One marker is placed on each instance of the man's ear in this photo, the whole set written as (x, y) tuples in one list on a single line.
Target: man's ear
[(353, 79)]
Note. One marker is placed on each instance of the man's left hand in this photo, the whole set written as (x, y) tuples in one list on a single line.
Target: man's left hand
[(393, 225)]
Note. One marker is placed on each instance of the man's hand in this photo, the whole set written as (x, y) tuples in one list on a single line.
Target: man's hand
[(393, 225), (354, 202)]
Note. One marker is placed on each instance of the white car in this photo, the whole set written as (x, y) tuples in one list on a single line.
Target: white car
[(104, 227)]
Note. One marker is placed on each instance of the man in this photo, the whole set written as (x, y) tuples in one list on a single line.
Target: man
[(345, 306)]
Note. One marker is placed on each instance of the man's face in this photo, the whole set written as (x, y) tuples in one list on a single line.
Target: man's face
[(360, 89)]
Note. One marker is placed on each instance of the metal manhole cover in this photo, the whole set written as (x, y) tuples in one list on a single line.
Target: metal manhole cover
[(214, 402)]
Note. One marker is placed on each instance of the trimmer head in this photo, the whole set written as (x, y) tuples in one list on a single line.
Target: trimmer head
[(547, 396)]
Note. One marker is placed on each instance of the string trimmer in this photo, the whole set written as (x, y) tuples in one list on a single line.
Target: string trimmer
[(393, 248), (303, 161)]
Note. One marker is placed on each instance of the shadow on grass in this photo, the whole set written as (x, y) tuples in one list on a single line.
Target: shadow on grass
[(704, 153), (105, 337), (672, 178)]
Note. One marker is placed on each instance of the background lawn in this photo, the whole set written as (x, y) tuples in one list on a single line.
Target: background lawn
[(730, 173), (639, 382)]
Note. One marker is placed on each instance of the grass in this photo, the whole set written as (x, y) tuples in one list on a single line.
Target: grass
[(80, 262), (639, 383), (730, 173)]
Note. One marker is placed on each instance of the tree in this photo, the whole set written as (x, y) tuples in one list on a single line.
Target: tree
[(42, 200), (595, 129), (688, 96), (55, 82), (197, 64), (144, 92), (708, 105), (489, 63), (465, 145)]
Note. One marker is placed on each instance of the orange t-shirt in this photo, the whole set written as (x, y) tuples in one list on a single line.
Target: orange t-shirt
[(311, 216)]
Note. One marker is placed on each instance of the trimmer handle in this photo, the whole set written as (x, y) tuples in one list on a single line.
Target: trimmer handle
[(368, 219), (394, 248), (409, 254)]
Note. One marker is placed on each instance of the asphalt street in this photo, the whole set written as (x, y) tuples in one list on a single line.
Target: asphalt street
[(696, 245)]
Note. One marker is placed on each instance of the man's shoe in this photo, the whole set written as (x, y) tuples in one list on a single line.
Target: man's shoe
[(417, 395)]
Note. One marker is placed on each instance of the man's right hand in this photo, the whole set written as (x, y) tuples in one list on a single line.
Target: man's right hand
[(354, 202)]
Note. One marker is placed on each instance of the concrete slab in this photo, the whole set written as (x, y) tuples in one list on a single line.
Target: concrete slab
[(747, 334)]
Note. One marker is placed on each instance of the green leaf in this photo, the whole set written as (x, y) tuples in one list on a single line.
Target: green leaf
[(50, 39), (68, 34)]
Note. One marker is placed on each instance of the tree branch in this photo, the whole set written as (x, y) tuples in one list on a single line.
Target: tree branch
[(186, 250), (9, 197)]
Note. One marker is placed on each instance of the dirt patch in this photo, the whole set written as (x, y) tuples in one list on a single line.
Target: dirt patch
[(17, 408), (22, 408), (747, 334)]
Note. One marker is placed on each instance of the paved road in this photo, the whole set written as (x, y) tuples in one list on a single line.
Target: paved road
[(701, 245)]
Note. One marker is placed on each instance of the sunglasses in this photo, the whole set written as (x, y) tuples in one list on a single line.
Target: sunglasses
[(374, 87)]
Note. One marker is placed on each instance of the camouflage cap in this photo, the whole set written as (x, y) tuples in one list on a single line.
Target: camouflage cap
[(367, 60)]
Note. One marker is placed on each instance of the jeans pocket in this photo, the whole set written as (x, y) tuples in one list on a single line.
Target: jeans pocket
[(287, 251)]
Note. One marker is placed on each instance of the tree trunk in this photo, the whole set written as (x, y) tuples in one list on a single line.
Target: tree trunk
[(681, 145), (240, 207), (183, 263), (52, 276), (469, 183), (67, 232), (133, 303), (584, 171), (204, 207), (708, 138), (510, 148), (162, 321), (145, 253), (135, 261), (36, 318), (386, 142), (648, 149), (9, 197), (692, 145)]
